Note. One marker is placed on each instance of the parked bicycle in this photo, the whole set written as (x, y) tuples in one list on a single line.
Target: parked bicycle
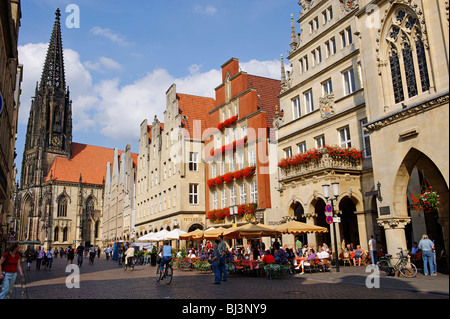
[(403, 265), (166, 276)]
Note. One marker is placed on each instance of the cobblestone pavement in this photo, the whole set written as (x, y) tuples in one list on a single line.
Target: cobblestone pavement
[(105, 279)]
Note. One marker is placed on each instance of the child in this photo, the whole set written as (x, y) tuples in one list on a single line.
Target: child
[(29, 259)]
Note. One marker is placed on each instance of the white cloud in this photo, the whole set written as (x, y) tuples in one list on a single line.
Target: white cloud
[(207, 10), (114, 109), (103, 64), (109, 34)]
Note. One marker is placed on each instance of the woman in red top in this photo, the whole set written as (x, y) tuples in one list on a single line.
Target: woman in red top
[(268, 258), (9, 263)]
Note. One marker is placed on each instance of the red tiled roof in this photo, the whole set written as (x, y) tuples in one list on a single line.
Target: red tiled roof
[(87, 160), (268, 91), (194, 108)]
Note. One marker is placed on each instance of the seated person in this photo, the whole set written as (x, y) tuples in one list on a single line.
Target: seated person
[(307, 262), (268, 257), (358, 255), (322, 254), (414, 249)]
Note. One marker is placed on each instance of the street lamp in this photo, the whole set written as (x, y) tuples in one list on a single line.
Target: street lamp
[(326, 194)]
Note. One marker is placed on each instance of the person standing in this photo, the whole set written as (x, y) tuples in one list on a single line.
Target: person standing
[(373, 250), (39, 258), (49, 256), (9, 264), (70, 255), (222, 248), (427, 247), (215, 262), (80, 251), (298, 246)]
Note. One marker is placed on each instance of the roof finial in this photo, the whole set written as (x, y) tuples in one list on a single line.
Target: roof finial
[(294, 42), (57, 13)]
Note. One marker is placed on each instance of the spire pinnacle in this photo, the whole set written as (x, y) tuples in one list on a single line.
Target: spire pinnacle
[(53, 73), (293, 35)]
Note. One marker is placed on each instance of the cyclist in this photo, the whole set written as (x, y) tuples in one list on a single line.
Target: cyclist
[(166, 256), (129, 254)]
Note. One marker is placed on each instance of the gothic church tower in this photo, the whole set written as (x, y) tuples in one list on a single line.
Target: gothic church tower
[(49, 130)]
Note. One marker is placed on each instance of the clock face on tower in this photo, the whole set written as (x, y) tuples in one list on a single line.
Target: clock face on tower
[(56, 141)]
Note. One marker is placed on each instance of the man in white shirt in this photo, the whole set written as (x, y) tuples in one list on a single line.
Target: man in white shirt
[(322, 254)]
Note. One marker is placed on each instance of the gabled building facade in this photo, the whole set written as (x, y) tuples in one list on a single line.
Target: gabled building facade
[(170, 181), (119, 208), (237, 147)]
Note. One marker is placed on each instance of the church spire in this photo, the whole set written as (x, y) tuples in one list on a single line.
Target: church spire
[(53, 73)]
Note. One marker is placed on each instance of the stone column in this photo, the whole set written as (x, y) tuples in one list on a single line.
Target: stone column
[(312, 240), (362, 229), (395, 233)]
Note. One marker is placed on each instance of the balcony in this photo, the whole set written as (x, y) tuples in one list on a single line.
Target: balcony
[(320, 161)]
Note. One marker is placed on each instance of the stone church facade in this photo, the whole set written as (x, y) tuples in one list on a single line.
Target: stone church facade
[(60, 197)]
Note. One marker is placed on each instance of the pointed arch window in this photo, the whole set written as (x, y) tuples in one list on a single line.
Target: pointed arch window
[(62, 207), (407, 56), (65, 233), (56, 234)]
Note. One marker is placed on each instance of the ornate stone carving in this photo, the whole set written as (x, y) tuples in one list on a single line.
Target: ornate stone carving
[(326, 105), (394, 222), (349, 5), (406, 113)]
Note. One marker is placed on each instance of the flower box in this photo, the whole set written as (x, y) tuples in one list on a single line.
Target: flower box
[(228, 122)]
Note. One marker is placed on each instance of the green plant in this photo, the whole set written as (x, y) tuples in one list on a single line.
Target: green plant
[(428, 200), (277, 270)]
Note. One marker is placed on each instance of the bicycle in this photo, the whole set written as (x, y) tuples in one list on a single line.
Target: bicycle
[(167, 276), (405, 267)]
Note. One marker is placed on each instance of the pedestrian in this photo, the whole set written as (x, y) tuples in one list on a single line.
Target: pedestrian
[(107, 252), (298, 246), (30, 256), (80, 251), (98, 251), (222, 248), (373, 250), (49, 256), (215, 263), (9, 264), (91, 254), (70, 254), (39, 258), (427, 247)]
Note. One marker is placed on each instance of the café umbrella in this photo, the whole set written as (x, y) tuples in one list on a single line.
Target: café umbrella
[(295, 227), (193, 235), (249, 231), (213, 233)]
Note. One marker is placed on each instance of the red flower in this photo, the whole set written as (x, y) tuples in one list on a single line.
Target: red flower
[(228, 177)]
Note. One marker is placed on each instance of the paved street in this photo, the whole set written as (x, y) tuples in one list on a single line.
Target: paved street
[(106, 280)]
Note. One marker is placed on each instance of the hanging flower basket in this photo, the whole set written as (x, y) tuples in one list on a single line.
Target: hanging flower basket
[(428, 200)]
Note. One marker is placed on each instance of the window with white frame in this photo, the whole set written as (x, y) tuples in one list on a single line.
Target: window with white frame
[(235, 135), (333, 46), (309, 105), (232, 163), (193, 194), (232, 196), (224, 198), (253, 192), (316, 23), (243, 193), (314, 59), (174, 164), (366, 140), (301, 147), (327, 87), (344, 137), (165, 170), (296, 113), (360, 75), (348, 31), (223, 167), (174, 196), (215, 200), (244, 131), (349, 81), (214, 170), (241, 160), (305, 58), (193, 164), (165, 200), (169, 197), (330, 13), (288, 152), (252, 158), (160, 202), (320, 141), (170, 167)]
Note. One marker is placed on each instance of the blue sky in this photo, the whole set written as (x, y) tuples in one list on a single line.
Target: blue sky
[(126, 54)]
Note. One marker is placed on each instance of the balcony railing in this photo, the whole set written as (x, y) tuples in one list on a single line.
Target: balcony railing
[(324, 163)]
